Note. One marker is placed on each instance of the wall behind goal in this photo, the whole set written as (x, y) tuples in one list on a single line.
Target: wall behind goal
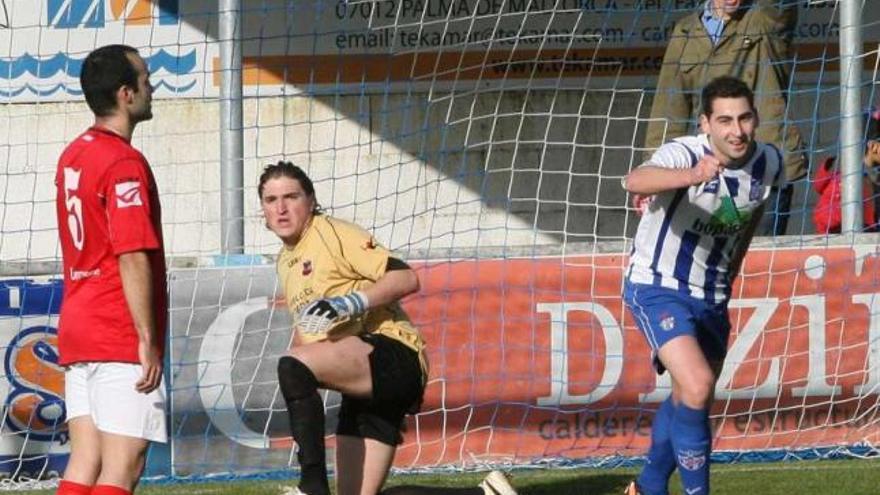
[(522, 145)]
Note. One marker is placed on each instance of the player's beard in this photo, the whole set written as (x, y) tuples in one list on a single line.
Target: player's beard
[(738, 162), (146, 114), (143, 112)]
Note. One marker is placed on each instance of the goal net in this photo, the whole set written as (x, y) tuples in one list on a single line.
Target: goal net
[(484, 142)]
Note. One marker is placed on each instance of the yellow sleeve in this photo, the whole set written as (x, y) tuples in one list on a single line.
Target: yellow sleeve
[(365, 258)]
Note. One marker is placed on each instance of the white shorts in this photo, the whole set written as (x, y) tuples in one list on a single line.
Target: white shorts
[(105, 391)]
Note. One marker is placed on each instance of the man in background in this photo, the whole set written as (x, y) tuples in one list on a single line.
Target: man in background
[(746, 39)]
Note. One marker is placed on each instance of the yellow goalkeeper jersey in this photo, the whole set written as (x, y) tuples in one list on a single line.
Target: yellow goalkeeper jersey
[(335, 258)]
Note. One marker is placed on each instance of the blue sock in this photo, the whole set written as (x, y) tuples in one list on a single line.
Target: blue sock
[(692, 442), (654, 479)]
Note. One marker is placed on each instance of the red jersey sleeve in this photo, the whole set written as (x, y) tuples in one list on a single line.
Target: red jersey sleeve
[(127, 192)]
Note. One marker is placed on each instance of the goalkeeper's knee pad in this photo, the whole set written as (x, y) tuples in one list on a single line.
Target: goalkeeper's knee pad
[(296, 379)]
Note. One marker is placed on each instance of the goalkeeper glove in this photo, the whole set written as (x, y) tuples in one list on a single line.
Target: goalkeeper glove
[(318, 316)]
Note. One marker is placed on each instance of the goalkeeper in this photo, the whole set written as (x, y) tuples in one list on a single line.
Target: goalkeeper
[(351, 335), (708, 194)]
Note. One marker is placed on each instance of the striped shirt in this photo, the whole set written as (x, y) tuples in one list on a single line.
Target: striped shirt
[(686, 237)]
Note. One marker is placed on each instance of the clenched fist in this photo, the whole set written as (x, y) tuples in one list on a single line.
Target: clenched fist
[(705, 170)]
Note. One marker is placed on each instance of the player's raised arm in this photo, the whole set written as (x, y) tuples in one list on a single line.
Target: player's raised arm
[(651, 179)]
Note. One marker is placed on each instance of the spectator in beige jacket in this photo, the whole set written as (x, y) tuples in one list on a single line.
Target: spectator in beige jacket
[(750, 40)]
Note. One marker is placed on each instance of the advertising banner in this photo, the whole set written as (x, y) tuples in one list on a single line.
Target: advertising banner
[(34, 439), (457, 44), (530, 359), (46, 41), (538, 358), (350, 46)]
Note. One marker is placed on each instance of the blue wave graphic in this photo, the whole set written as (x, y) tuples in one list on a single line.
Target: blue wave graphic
[(173, 89), (61, 62), (175, 65), (40, 92), (76, 91)]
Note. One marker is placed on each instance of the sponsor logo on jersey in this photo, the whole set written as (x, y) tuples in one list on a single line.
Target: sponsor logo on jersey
[(722, 222), (307, 268), (128, 194), (83, 274)]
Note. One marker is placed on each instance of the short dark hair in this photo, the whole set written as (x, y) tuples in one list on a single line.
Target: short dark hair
[(725, 87), (104, 71), (289, 170)]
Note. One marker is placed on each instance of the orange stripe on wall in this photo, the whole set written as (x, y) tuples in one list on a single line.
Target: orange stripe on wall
[(469, 66)]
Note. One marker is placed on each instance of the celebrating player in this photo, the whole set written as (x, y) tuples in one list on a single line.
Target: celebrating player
[(351, 335), (112, 324), (709, 192)]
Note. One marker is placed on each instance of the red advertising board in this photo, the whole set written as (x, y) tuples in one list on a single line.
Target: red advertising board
[(534, 358)]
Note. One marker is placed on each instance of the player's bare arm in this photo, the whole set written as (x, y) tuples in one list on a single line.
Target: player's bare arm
[(650, 179), (137, 284)]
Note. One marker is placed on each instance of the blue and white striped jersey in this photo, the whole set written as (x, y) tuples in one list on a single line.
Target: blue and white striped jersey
[(687, 236)]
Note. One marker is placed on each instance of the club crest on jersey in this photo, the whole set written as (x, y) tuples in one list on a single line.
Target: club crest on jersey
[(667, 322), (128, 194), (307, 268), (755, 189), (691, 459)]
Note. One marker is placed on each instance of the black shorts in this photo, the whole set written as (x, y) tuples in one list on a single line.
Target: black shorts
[(398, 387)]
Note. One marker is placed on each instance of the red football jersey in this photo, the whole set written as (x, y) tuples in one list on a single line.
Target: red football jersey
[(107, 205)]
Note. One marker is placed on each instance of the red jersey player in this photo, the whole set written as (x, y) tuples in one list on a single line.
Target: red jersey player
[(112, 324)]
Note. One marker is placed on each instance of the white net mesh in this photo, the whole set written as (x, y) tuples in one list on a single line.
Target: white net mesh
[(482, 140)]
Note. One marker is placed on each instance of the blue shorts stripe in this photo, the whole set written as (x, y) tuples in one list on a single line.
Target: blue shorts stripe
[(639, 313)]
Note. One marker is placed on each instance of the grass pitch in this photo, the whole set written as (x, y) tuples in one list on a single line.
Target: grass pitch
[(845, 477)]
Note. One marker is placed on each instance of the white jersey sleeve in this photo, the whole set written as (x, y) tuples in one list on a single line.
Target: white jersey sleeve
[(678, 153)]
